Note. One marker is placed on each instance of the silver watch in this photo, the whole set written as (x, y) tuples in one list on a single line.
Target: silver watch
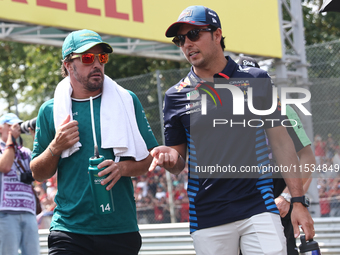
[(286, 196)]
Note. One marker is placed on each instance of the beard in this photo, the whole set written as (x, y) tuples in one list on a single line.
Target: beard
[(90, 83)]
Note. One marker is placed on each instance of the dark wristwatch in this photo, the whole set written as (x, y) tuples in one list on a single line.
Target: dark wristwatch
[(303, 200)]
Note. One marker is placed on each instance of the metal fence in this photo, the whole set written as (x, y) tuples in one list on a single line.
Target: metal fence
[(324, 74)]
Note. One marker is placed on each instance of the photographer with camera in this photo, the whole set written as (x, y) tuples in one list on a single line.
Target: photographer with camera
[(18, 224)]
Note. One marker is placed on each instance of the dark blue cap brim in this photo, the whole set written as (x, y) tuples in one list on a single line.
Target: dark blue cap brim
[(172, 30)]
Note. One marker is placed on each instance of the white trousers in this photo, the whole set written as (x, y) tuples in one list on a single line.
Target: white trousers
[(259, 234)]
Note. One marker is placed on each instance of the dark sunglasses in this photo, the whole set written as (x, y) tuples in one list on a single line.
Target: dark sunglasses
[(193, 35), (88, 58)]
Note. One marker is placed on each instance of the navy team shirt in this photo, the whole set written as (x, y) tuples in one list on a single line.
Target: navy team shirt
[(230, 196)]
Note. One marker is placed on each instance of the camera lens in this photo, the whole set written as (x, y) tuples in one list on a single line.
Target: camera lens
[(28, 124)]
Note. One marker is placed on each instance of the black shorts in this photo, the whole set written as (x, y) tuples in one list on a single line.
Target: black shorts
[(289, 233), (66, 243)]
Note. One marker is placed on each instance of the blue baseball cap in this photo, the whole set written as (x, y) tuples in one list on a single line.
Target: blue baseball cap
[(197, 15), (10, 119), (82, 40)]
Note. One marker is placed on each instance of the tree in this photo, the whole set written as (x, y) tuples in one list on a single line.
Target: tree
[(320, 27), (12, 71)]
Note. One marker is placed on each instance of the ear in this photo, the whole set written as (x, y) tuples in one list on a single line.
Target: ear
[(218, 35), (68, 66)]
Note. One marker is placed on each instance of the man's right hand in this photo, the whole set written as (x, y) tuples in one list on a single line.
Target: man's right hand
[(282, 205), (66, 136), (166, 157), (14, 131)]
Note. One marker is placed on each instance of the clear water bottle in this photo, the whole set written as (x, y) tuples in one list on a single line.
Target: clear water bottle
[(103, 201), (310, 247)]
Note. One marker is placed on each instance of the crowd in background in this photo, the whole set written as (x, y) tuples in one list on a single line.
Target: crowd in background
[(46, 192), (327, 155), (152, 197)]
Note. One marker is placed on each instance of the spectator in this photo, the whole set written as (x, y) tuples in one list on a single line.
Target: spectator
[(319, 150), (161, 210), (152, 186), (143, 185), (180, 192), (138, 195), (184, 208), (330, 148), (18, 224), (336, 159), (325, 208), (162, 181), (160, 193), (334, 194)]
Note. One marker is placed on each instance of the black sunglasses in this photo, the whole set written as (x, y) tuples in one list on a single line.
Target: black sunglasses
[(193, 35)]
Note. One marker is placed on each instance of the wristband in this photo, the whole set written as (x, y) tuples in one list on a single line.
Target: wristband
[(286, 196), (54, 155), (9, 146)]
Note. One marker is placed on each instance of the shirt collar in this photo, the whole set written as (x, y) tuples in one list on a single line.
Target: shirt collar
[(228, 71)]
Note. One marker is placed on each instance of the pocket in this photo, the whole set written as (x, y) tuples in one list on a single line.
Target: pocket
[(52, 237)]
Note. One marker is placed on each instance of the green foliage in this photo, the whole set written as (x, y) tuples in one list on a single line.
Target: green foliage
[(28, 72), (43, 74), (320, 27), (121, 66), (12, 71)]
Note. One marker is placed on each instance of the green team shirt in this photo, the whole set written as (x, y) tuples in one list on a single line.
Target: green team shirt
[(75, 208), (300, 140), (297, 133)]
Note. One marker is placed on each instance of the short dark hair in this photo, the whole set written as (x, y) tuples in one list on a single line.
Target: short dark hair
[(213, 29), (64, 72)]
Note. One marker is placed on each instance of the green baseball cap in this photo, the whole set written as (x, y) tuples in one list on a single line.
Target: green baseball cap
[(82, 40)]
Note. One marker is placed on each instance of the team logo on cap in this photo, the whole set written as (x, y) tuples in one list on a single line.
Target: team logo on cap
[(89, 34), (185, 13), (212, 14)]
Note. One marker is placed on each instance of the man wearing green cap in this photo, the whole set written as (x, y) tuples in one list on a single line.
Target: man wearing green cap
[(18, 224), (91, 115)]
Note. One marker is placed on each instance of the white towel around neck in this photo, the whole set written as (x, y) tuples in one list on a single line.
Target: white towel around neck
[(119, 129)]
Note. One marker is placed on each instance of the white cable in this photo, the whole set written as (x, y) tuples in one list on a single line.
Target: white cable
[(93, 129)]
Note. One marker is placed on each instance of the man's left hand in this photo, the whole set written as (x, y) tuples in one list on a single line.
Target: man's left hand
[(301, 217), (112, 170)]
